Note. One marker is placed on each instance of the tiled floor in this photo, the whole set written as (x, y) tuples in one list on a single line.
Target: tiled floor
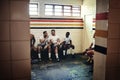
[(67, 69)]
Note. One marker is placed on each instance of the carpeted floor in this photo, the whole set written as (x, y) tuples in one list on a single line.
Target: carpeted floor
[(68, 69)]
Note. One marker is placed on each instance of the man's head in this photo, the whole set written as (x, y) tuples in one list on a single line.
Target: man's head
[(53, 32), (45, 34), (67, 34)]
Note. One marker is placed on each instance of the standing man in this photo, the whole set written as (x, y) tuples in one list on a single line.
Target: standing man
[(55, 43), (32, 40), (32, 46)]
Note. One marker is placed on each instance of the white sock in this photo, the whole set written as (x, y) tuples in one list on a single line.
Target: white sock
[(56, 55), (64, 52), (39, 56), (68, 51), (49, 55), (72, 51)]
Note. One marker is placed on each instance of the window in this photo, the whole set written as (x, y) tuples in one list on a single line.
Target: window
[(67, 10), (75, 11), (62, 10), (33, 9), (58, 11), (48, 10)]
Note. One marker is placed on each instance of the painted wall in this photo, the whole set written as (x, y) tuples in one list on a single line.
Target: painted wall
[(113, 49), (61, 24), (88, 8), (15, 61), (81, 31), (101, 37)]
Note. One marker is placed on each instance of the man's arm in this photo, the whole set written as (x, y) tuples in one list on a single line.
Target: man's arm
[(91, 46), (34, 40)]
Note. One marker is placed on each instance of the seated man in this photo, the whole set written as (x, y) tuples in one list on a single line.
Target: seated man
[(68, 47), (90, 51), (44, 44), (55, 43)]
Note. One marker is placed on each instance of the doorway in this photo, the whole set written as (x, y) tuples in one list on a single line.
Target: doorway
[(70, 67)]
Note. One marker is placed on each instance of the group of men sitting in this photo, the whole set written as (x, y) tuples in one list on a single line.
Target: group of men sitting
[(51, 45)]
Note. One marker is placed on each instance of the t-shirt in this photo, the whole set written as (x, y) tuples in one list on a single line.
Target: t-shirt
[(67, 40), (45, 40), (54, 39)]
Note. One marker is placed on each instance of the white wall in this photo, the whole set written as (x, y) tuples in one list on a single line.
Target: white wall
[(88, 32), (88, 13), (88, 8)]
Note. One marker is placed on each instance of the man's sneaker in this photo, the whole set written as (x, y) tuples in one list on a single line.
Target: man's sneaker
[(73, 56), (58, 60), (50, 59), (39, 59)]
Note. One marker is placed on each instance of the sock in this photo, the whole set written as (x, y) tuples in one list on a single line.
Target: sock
[(64, 52), (56, 55), (49, 55), (39, 56), (68, 51), (72, 51)]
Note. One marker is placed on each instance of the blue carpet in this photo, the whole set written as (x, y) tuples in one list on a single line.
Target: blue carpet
[(68, 69)]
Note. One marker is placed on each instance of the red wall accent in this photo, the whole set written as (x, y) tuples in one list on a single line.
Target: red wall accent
[(102, 16), (58, 20)]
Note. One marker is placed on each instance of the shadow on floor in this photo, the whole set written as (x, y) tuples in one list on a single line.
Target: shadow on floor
[(67, 69)]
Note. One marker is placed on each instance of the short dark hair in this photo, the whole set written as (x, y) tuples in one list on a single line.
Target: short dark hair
[(68, 33), (52, 30), (44, 32)]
